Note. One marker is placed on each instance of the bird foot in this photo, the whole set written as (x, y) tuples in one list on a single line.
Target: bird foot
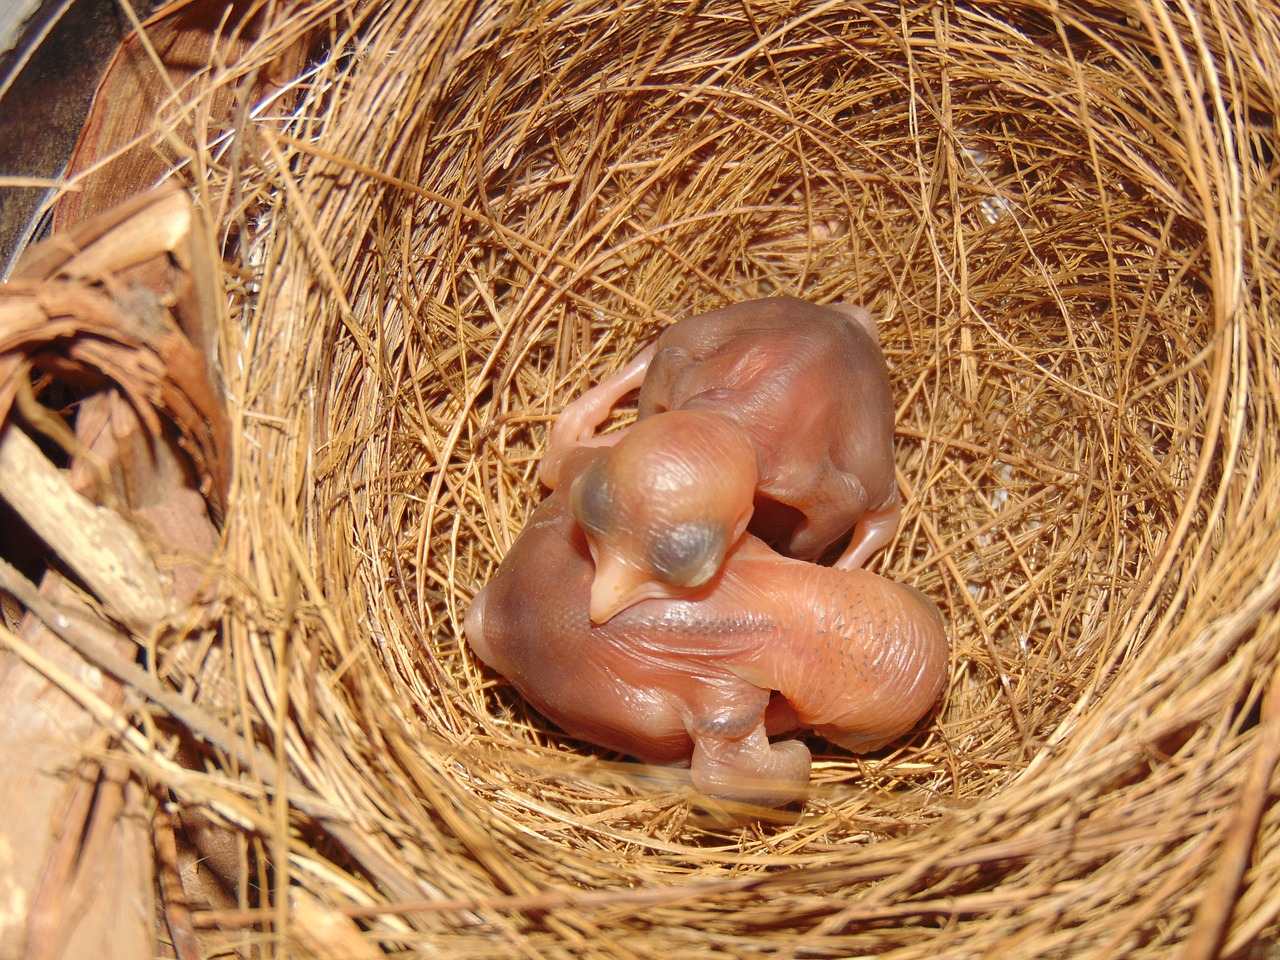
[(873, 530), (751, 770)]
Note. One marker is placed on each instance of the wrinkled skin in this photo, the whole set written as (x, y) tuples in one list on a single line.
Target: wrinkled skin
[(807, 390), (853, 656)]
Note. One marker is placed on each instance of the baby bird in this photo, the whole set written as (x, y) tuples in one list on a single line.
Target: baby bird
[(855, 657), (806, 390)]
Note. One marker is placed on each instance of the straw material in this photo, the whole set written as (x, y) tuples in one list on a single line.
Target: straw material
[(468, 213)]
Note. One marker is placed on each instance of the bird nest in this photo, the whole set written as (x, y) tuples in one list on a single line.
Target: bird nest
[(462, 215)]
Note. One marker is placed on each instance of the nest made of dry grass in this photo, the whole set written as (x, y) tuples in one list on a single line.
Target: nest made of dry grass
[(1064, 215)]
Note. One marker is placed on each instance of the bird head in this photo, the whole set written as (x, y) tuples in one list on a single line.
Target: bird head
[(661, 508)]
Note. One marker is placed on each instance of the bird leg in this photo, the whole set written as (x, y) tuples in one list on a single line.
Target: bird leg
[(780, 716), (577, 422), (751, 770), (874, 529)]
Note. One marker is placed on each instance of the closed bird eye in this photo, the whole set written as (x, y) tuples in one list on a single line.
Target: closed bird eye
[(592, 499), (688, 554)]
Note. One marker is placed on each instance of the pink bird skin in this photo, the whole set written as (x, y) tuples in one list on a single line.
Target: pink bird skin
[(768, 645), (805, 387)]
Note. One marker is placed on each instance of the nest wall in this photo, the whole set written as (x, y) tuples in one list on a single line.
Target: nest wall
[(1062, 215)]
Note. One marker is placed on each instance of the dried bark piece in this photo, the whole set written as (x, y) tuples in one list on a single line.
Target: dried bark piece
[(123, 310), (99, 545), (184, 40), (73, 870), (130, 299)]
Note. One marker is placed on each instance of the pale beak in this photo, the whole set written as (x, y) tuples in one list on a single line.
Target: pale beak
[(618, 585)]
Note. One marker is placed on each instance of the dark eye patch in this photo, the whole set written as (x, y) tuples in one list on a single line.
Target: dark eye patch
[(688, 554), (593, 499)]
